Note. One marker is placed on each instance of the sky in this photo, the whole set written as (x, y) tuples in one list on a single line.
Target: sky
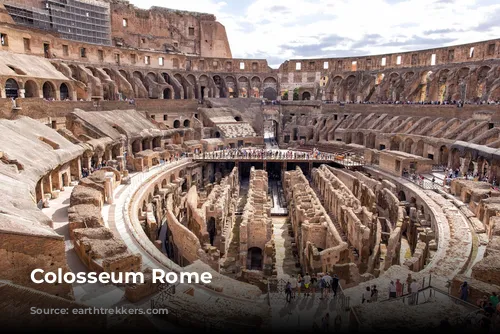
[(278, 30)]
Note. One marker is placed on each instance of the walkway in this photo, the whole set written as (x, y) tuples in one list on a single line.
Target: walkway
[(91, 294), (285, 260)]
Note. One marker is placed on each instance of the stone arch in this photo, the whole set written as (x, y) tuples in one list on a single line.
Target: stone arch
[(49, 90), (306, 95), (395, 143), (402, 196), (11, 88), (255, 86), (136, 146), (64, 92), (270, 93), (187, 123), (419, 149), (204, 84), (370, 140), (177, 124), (350, 88), (408, 145), (167, 94), (182, 82), (231, 85), (219, 86), (31, 89)]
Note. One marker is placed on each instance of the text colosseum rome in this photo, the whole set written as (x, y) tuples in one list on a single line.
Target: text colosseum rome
[(326, 194)]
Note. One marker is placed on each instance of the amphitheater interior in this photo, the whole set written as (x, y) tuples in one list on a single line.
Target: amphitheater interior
[(141, 149)]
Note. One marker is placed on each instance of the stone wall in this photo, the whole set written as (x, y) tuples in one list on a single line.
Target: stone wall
[(21, 254), (311, 224), (256, 230)]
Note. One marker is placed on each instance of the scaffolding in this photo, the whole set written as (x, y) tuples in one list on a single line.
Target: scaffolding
[(79, 20)]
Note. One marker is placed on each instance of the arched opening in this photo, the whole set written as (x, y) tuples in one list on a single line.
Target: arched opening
[(419, 150), (49, 91), (395, 144), (167, 94), (254, 258), (306, 96), (177, 124), (402, 196), (11, 88), (31, 89), (217, 134), (270, 93), (187, 123), (370, 140), (237, 118), (359, 138), (212, 232), (156, 142), (408, 145), (136, 146), (64, 92)]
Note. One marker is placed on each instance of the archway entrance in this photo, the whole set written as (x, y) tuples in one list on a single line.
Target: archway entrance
[(31, 89), (306, 96), (64, 92), (11, 88), (270, 93), (254, 258), (48, 91)]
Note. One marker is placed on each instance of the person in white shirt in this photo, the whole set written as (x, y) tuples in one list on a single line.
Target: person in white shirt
[(293, 285), (327, 284)]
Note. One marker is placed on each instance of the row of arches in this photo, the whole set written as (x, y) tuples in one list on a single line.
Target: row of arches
[(31, 90)]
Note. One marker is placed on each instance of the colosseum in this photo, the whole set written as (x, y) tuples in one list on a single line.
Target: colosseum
[(132, 140)]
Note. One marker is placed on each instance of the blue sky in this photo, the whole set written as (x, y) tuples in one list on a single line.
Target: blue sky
[(278, 30)]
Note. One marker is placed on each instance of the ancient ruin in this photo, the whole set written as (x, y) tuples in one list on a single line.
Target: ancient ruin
[(148, 146)]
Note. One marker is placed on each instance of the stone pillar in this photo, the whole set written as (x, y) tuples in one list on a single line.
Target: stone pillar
[(108, 187), (2, 93), (475, 168), (47, 184), (75, 168), (121, 162), (22, 93), (463, 164)]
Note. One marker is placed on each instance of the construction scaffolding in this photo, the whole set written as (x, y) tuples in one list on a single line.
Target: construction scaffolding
[(87, 21)]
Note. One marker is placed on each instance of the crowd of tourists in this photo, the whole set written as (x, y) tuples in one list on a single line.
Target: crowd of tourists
[(457, 103), (258, 153)]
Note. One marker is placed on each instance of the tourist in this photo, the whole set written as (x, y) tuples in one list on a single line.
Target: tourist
[(335, 285), (293, 284), (392, 290), (374, 295), (307, 283), (367, 295), (327, 283), (494, 299), (489, 310), (288, 292), (321, 283), (464, 291), (399, 288)]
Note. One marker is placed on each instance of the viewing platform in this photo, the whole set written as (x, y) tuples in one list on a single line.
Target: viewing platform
[(278, 155)]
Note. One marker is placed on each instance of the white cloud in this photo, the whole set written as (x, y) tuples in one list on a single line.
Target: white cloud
[(264, 26)]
